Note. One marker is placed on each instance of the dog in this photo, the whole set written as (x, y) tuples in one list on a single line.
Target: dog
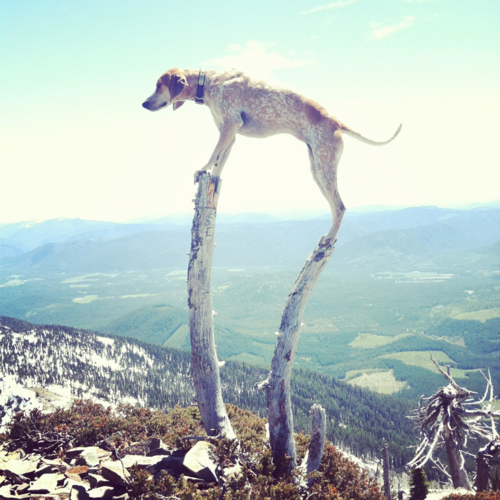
[(252, 108)]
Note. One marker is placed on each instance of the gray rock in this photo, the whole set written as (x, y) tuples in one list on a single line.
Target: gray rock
[(115, 472), (22, 489), (44, 484), (6, 492), (122, 497), (78, 492), (163, 449), (17, 470), (89, 458), (43, 469), (103, 493), (57, 462), (97, 481), (199, 462), (143, 447), (151, 464), (76, 452), (93, 479)]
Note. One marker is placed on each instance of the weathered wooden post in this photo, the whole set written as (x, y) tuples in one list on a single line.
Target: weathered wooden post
[(314, 453), (277, 385), (205, 365)]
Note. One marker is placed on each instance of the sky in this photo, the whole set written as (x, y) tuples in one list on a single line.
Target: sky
[(75, 141)]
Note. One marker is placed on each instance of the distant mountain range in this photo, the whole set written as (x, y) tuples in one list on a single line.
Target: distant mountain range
[(393, 238)]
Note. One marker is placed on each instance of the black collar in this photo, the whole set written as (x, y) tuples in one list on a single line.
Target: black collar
[(199, 91)]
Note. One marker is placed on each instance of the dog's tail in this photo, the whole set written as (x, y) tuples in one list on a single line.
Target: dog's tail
[(359, 137)]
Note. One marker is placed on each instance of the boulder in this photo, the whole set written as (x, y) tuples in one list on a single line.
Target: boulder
[(115, 472), (199, 462), (103, 493), (57, 462), (80, 470), (76, 452), (44, 484), (6, 492), (151, 464), (19, 470), (163, 449), (143, 447), (43, 469), (88, 457), (97, 481), (78, 492)]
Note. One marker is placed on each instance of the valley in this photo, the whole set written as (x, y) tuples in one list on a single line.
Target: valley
[(400, 285)]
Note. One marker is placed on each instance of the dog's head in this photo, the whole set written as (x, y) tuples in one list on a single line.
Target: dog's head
[(168, 87)]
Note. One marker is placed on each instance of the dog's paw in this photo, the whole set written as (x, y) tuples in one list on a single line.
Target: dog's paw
[(326, 241)]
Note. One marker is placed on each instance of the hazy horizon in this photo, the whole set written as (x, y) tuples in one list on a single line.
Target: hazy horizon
[(291, 214), (77, 143)]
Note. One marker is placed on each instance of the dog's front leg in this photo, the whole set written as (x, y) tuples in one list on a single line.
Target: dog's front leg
[(228, 132)]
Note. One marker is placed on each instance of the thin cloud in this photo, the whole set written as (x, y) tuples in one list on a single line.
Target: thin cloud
[(328, 6), (258, 59), (378, 32)]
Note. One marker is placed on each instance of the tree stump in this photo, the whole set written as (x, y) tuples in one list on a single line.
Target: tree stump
[(205, 365), (314, 453)]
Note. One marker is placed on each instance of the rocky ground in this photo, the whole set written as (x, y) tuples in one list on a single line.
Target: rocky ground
[(98, 472)]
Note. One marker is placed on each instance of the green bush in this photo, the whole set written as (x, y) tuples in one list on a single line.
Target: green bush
[(419, 486)]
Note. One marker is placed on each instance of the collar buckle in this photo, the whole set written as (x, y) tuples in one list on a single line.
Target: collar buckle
[(199, 91)]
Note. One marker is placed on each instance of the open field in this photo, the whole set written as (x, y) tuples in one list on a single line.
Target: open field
[(369, 341), (381, 382), (483, 315), (422, 359)]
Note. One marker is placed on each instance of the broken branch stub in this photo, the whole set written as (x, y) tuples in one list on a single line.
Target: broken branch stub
[(204, 362), (318, 435), (278, 383)]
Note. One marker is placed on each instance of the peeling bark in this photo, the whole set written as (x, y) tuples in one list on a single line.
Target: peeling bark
[(205, 365), (455, 461), (278, 383)]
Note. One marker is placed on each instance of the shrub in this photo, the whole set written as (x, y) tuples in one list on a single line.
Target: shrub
[(419, 486), (484, 495)]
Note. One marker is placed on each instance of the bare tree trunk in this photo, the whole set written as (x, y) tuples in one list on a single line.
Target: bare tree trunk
[(205, 365), (314, 454), (487, 456), (385, 463), (278, 383), (455, 461)]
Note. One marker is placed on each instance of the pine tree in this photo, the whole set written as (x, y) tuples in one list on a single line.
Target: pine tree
[(419, 486)]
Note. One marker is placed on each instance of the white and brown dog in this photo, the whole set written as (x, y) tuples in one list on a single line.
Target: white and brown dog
[(241, 105)]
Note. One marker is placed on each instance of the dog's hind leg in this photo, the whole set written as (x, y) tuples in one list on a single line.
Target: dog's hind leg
[(325, 158)]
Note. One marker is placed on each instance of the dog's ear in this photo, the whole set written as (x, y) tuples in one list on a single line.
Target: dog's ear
[(177, 104), (177, 84)]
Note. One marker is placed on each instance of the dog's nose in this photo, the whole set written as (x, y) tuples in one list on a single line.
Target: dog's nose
[(145, 104)]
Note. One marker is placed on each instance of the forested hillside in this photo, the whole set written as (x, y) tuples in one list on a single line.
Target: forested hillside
[(118, 369)]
